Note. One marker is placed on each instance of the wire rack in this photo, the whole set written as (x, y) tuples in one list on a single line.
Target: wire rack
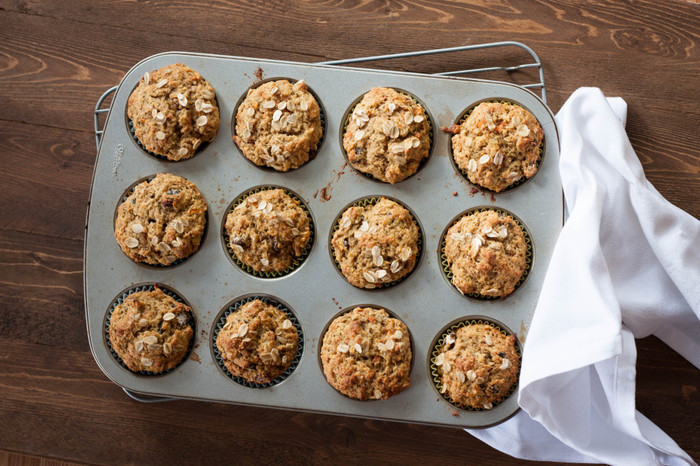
[(104, 102)]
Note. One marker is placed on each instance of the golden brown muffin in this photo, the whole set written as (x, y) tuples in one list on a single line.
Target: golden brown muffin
[(486, 252), (161, 221), (278, 125), (268, 231), (497, 145), (376, 244), (478, 366), (366, 354), (151, 331), (173, 110), (258, 342), (387, 136)]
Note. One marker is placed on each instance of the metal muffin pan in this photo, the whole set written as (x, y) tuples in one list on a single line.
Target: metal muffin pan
[(208, 280)]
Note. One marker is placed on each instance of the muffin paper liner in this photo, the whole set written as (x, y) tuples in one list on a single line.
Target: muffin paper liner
[(439, 341), (123, 199), (529, 253), (431, 135), (463, 173), (372, 200), (234, 306), (392, 314), (148, 287), (312, 154), (248, 269)]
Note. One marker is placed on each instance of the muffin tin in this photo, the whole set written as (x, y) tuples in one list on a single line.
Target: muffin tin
[(208, 280)]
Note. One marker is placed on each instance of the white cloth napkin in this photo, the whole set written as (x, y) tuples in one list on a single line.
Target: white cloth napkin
[(626, 265)]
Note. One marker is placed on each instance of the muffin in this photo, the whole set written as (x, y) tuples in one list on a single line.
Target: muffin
[(366, 354), (376, 244), (387, 136), (258, 342), (278, 125), (268, 231), (497, 145), (151, 331), (486, 253), (478, 366), (173, 110), (161, 221)]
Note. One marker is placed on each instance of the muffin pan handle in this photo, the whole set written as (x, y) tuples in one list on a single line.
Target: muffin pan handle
[(150, 399), (99, 110)]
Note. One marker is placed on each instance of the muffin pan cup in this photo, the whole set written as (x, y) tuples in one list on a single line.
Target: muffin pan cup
[(431, 134), (298, 261), (368, 201), (447, 270), (347, 310), (461, 119), (234, 306), (505, 403), (129, 191), (315, 290), (147, 287)]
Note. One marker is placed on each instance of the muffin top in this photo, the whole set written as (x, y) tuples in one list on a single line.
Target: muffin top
[(151, 331), (268, 231), (497, 145), (258, 342), (486, 252), (161, 221), (173, 110), (366, 354), (376, 244), (478, 366), (278, 125), (387, 135)]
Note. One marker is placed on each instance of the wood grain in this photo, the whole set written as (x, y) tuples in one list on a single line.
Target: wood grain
[(56, 59)]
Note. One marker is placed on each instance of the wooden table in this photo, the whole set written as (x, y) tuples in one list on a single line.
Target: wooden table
[(56, 59)]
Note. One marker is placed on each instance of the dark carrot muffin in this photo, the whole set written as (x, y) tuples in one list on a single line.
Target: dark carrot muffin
[(387, 136), (173, 110), (151, 331), (497, 145), (478, 366), (376, 244), (161, 221), (258, 342), (268, 231), (366, 354), (486, 252), (278, 125)]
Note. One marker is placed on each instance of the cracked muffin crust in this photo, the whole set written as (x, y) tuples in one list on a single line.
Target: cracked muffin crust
[(376, 244), (151, 331), (486, 252), (387, 135), (478, 366), (497, 145), (258, 342), (278, 125), (268, 231), (173, 110), (161, 221), (366, 354)]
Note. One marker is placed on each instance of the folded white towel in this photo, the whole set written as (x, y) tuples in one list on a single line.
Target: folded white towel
[(626, 265)]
